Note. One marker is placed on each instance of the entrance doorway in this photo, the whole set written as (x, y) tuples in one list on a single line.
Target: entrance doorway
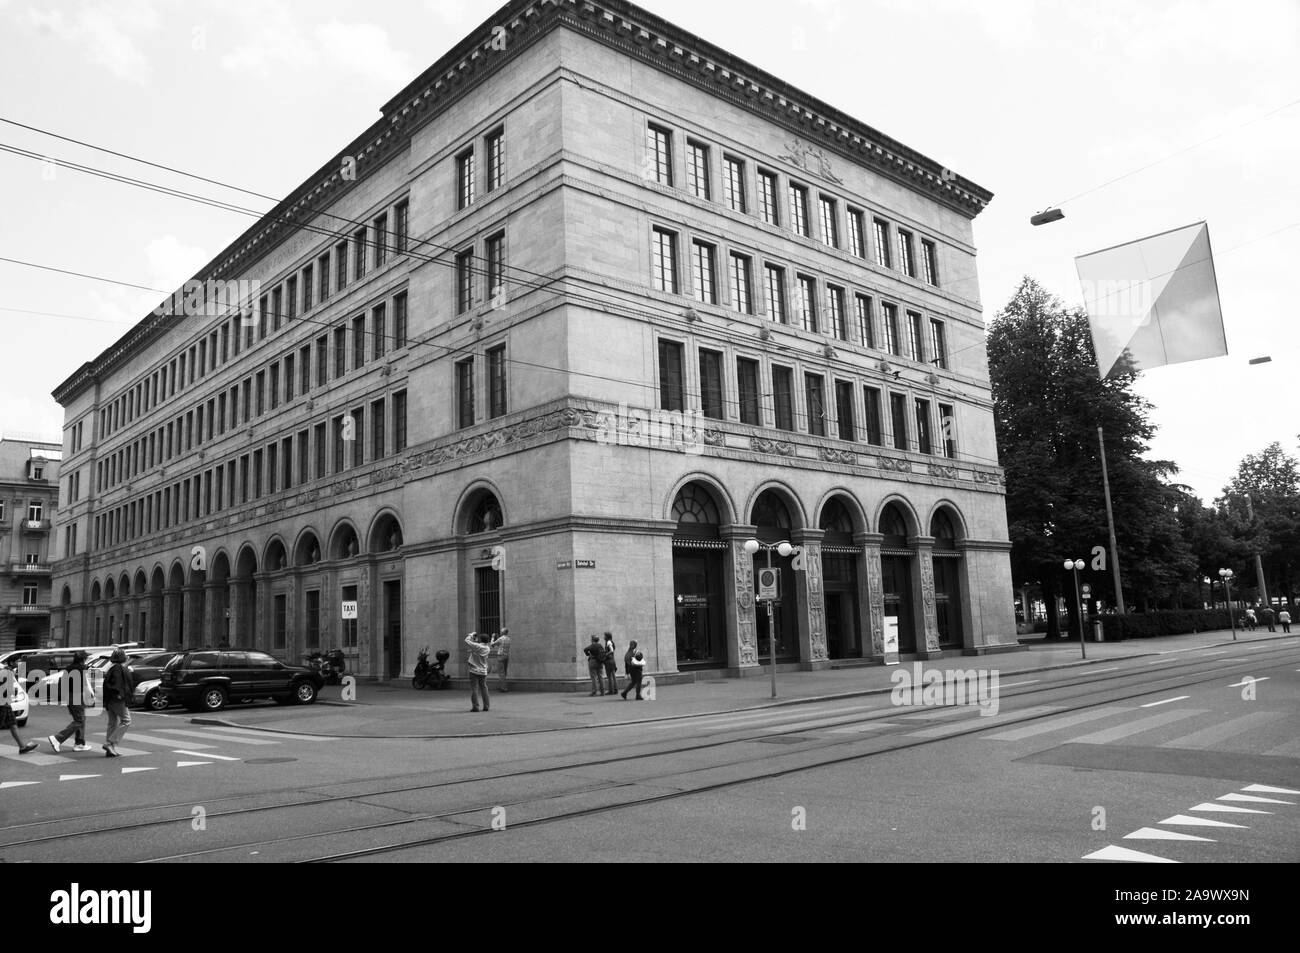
[(896, 575), (393, 629), (698, 601)]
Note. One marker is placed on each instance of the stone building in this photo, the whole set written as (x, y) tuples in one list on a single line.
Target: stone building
[(29, 495), (592, 304)]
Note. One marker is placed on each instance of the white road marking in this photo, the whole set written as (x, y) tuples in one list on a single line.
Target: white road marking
[(1055, 724), (1210, 808), (1160, 661), (77, 777), (1268, 789), (1250, 680), (134, 770), (1123, 853), (1032, 681), (1154, 833), (1235, 659), (36, 758), (219, 757), (1216, 652), (980, 721), (1182, 820), (165, 742), (1217, 734), (15, 784), (1165, 701), (1251, 798), (1095, 671), (1135, 727), (239, 739), (190, 764)]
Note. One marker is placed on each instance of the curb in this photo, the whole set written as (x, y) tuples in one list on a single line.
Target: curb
[(811, 699)]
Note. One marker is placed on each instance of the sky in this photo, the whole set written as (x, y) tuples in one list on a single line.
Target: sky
[(1045, 104)]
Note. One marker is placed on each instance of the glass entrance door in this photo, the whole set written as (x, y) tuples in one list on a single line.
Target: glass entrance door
[(698, 602), (896, 580)]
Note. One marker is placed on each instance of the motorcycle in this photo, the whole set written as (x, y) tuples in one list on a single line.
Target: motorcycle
[(330, 665), (433, 675)]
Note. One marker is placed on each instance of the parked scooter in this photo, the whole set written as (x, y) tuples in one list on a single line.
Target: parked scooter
[(431, 675), (330, 665)]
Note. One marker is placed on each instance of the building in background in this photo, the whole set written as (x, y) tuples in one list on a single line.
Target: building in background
[(592, 304), (29, 496)]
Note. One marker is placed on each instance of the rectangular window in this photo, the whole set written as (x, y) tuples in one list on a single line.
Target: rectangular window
[(358, 341), (948, 430), (664, 261), (697, 169), (257, 474), (377, 429), (702, 270), (915, 344), (338, 444), (340, 352), (733, 183), (286, 454), (401, 226), (322, 360), (323, 267), (844, 409), (929, 265), (465, 393), (671, 376), (358, 436), (381, 240), (882, 243), (923, 427), (906, 261), (399, 320), (277, 308), (774, 280), (741, 299), (261, 393), (248, 399), (767, 205), (857, 233), (379, 330), (289, 379), (829, 221), (358, 254), (799, 209), (263, 312), (783, 397), (807, 303), (465, 179), (747, 385), (898, 418), (319, 436), (892, 343), (349, 626), (835, 307), (815, 392), (494, 146), (311, 635), (399, 421), (341, 266), (938, 344), (865, 326), (464, 281), (272, 468), (496, 368), (308, 288), (711, 384), (496, 269), (304, 458), (659, 143), (275, 386)]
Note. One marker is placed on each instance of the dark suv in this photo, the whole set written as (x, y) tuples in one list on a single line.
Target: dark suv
[(206, 679)]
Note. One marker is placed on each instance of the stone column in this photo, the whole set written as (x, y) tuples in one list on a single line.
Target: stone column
[(871, 592), (172, 618), (237, 595), (194, 612), (742, 633), (813, 654), (927, 626), (261, 612), (156, 621), (212, 616)]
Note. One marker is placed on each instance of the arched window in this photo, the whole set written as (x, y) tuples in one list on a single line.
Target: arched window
[(486, 517), (772, 517), (943, 531), (837, 523), (696, 513), (893, 526)]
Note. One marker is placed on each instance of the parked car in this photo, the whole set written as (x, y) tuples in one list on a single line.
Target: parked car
[(148, 666), (208, 679), (149, 694), (18, 701), (100, 658)]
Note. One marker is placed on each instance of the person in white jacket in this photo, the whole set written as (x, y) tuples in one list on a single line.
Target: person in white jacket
[(480, 647)]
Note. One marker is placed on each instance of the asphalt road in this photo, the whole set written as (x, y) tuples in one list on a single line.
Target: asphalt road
[(1187, 758)]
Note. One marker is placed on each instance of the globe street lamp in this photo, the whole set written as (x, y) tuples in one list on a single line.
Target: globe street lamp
[(1074, 565), (785, 549), (1226, 575)]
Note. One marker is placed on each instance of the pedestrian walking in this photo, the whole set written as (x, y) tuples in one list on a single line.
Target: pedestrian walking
[(480, 647), (595, 664), (1266, 615), (76, 688), (503, 657), (611, 663), (117, 692), (633, 664), (1285, 618), (1250, 620), (8, 688)]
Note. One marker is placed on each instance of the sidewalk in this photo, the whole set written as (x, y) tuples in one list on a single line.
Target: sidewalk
[(384, 711)]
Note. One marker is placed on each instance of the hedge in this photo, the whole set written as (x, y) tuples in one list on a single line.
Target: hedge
[(1149, 625)]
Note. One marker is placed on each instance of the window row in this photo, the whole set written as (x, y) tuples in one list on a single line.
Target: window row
[(493, 287), (776, 396), (790, 296), (468, 397), (327, 448), (836, 224), (262, 392), (368, 246), (35, 510), (494, 161)]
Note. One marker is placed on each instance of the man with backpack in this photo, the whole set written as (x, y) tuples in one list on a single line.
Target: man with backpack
[(595, 664), (634, 664)]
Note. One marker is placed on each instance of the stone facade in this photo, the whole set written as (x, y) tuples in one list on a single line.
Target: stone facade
[(544, 418), (29, 497)]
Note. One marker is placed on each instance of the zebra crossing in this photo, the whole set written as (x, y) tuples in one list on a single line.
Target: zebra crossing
[(172, 747), (1269, 731)]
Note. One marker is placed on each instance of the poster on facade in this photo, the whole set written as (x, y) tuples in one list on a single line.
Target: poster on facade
[(891, 640)]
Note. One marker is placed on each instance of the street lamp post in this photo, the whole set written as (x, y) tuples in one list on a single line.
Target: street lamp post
[(1074, 565), (1226, 575), (785, 549)]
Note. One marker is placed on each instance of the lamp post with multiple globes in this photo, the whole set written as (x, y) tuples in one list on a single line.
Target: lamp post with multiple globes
[(785, 549), (1074, 565)]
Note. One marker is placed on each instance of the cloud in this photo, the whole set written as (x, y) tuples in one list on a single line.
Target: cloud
[(172, 263), (107, 35)]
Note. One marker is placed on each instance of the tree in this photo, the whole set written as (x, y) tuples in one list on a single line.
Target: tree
[(1048, 402), (1262, 506)]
